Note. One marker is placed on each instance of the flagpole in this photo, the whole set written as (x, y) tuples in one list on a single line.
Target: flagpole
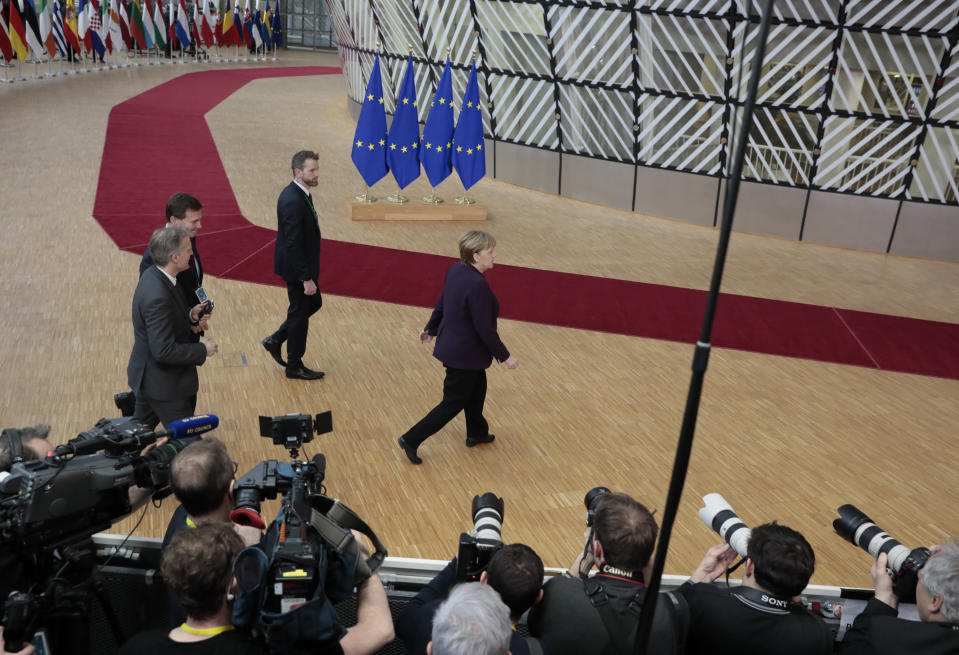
[(49, 72), (19, 77), (6, 77)]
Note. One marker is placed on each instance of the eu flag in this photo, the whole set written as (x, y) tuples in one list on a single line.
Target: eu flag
[(438, 133), (403, 143), (369, 142), (469, 158), (276, 31)]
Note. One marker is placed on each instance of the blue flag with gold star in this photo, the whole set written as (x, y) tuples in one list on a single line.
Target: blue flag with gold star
[(369, 142), (403, 142), (469, 157), (438, 132)]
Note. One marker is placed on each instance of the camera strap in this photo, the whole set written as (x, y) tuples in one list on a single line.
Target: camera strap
[(620, 631), (333, 521), (764, 601)]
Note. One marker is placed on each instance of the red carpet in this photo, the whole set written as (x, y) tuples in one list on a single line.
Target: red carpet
[(168, 123)]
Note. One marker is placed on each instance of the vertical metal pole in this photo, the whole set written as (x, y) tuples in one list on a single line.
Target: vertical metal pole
[(701, 354)]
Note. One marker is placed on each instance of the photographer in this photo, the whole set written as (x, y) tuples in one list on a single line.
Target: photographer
[(601, 614), (472, 621), (764, 614), (202, 478), (515, 572), (197, 566), (879, 631)]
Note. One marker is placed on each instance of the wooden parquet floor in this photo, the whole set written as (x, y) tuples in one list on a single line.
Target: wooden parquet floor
[(781, 438)]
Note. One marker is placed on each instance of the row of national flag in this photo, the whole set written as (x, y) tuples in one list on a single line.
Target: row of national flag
[(401, 150), (52, 27)]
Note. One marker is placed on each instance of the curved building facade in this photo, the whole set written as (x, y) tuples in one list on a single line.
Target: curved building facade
[(636, 105)]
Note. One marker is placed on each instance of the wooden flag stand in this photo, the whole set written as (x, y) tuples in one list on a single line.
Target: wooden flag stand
[(413, 211)]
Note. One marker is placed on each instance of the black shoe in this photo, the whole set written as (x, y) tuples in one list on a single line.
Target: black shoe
[(410, 452), (275, 348), (303, 373), (472, 441)]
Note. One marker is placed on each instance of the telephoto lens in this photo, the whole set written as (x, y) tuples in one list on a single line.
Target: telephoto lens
[(858, 529), (591, 501), (719, 515), (488, 519)]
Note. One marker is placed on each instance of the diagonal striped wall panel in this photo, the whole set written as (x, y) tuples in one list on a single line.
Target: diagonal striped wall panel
[(675, 133), (899, 73), (353, 71), (341, 24), (524, 111), (794, 73), (682, 53), (448, 25), (591, 44), (865, 156), (514, 35), (360, 19), (937, 173), (398, 26), (927, 15), (686, 6), (947, 106), (825, 12), (596, 123), (780, 146)]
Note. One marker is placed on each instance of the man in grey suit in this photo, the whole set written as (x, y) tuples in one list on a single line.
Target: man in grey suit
[(297, 260), (166, 351)]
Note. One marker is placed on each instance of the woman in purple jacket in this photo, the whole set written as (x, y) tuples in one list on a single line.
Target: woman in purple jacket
[(464, 324)]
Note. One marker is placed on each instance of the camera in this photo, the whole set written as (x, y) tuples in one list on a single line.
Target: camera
[(82, 487), (591, 501), (309, 558), (860, 530), (477, 547), (719, 515), (50, 507)]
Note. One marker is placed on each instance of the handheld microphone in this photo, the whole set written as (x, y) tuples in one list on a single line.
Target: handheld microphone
[(191, 426)]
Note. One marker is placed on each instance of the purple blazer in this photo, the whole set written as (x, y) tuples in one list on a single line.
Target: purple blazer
[(464, 321)]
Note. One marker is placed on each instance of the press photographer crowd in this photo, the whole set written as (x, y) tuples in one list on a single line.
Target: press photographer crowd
[(239, 584)]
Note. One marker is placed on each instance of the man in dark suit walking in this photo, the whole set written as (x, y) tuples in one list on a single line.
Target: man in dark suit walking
[(183, 210), (166, 351), (297, 261)]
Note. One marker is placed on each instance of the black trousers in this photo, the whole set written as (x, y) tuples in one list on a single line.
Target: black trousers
[(462, 391), (151, 411), (297, 323)]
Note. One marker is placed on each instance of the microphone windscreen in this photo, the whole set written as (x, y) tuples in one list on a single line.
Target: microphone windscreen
[(193, 426)]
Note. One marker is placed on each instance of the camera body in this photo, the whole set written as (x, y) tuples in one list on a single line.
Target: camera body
[(904, 564), (477, 547)]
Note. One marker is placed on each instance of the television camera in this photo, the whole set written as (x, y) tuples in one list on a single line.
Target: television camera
[(310, 558), (51, 507)]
